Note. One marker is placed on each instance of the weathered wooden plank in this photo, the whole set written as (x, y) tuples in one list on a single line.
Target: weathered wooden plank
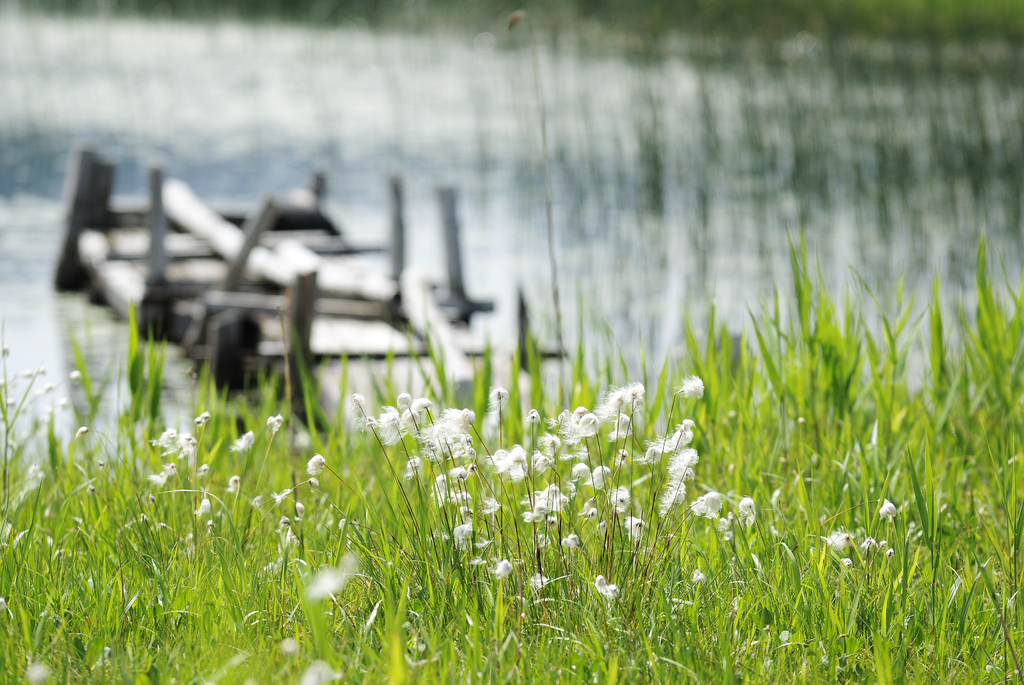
[(226, 239), (331, 337)]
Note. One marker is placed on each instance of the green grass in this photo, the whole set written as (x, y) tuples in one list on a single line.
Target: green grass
[(816, 416)]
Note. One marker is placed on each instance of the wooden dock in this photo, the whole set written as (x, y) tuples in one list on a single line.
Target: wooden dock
[(221, 285)]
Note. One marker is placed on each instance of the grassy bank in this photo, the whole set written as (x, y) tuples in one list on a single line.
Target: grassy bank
[(905, 19), (881, 540)]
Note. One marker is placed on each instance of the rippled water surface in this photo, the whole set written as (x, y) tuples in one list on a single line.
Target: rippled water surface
[(681, 171)]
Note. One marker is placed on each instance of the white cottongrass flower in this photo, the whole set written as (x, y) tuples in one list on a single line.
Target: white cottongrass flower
[(274, 423), (202, 471), (244, 443), (600, 476), (538, 581), (458, 474), (620, 400), (784, 636), (511, 463), (708, 505), (580, 471), (697, 578), (280, 496), (160, 479), (503, 569), (75, 376), (318, 673), (404, 401), (634, 526), (81, 431), (887, 512), (533, 416), (747, 511), (870, 545), (692, 387), (497, 400), (550, 498), (234, 483), (541, 463), (838, 541), (489, 506), (288, 646), (847, 562), (421, 405), (257, 501), (463, 533), (620, 499), (572, 541), (201, 420), (37, 673), (315, 466), (204, 507), (589, 425), (413, 468), (606, 589), (314, 483), (300, 510)]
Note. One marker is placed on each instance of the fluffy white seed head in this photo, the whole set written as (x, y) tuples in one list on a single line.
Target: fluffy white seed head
[(607, 590), (697, 578), (204, 507), (315, 466), (692, 387), (572, 541), (503, 569), (201, 420), (244, 443), (708, 505), (887, 512), (274, 424), (747, 511), (81, 431), (234, 483)]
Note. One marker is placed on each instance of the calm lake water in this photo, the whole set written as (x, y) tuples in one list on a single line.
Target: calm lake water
[(681, 171)]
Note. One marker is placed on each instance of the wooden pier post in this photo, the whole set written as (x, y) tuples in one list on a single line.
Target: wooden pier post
[(225, 336), (457, 300), (87, 184), (303, 302), (157, 228), (524, 333), (397, 197), (446, 198), (318, 186)]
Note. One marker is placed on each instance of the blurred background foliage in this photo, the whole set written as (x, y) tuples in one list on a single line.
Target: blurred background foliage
[(937, 20)]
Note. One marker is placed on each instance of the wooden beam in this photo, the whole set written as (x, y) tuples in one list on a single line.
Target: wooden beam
[(256, 223), (226, 239), (87, 186)]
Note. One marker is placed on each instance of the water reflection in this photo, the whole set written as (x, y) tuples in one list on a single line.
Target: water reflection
[(681, 169)]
